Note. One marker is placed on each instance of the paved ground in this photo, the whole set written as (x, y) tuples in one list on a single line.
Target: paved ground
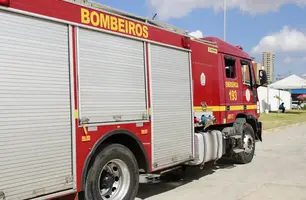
[(278, 172)]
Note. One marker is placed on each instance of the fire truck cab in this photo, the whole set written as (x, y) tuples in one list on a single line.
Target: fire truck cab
[(225, 97), (230, 78), (94, 101)]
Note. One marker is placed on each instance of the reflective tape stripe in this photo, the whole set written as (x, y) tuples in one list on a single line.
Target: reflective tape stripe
[(223, 108)]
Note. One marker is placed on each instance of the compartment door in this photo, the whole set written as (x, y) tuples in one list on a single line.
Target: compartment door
[(35, 111), (112, 78), (172, 121)]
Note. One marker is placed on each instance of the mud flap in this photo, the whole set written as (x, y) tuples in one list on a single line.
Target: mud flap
[(238, 125), (259, 132)]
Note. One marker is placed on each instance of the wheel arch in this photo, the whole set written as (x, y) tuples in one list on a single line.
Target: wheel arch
[(250, 119), (120, 136)]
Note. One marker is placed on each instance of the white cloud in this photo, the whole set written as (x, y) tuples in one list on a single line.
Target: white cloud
[(197, 34), (288, 59), (292, 59), (287, 40), (179, 8)]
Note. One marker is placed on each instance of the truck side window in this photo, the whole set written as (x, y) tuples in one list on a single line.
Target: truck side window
[(247, 75), (230, 69)]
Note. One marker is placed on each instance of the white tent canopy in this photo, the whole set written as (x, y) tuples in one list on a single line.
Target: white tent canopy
[(291, 82)]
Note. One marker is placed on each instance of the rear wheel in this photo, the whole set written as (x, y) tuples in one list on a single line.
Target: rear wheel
[(113, 175), (248, 144)]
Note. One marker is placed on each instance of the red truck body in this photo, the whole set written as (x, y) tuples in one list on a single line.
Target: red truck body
[(211, 90)]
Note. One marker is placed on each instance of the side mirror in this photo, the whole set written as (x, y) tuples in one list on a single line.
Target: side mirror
[(263, 79)]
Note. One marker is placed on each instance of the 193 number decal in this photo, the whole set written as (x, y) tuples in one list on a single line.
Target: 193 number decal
[(233, 95)]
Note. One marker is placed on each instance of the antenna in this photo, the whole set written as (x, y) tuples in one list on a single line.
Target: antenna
[(224, 20), (154, 16)]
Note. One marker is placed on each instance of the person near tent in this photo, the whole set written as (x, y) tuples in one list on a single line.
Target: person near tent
[(299, 105), (282, 107)]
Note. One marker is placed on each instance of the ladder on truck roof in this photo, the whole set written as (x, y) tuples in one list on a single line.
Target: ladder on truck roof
[(155, 23)]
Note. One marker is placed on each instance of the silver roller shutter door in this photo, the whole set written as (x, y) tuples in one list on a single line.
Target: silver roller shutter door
[(112, 77), (171, 106), (35, 114)]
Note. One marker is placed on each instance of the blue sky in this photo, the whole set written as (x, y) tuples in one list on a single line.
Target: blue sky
[(274, 26)]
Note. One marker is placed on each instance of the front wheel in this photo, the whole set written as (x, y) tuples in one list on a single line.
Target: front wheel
[(113, 176), (248, 144)]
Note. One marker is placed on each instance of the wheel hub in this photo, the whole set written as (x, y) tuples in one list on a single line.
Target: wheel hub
[(114, 180), (248, 143), (108, 181)]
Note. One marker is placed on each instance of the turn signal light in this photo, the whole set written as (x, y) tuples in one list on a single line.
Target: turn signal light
[(5, 3)]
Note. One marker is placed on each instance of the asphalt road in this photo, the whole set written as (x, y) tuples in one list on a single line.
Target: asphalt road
[(278, 172)]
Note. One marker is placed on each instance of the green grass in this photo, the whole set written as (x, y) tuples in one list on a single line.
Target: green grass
[(274, 119)]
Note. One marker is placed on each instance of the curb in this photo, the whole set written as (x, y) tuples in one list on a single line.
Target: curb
[(282, 127)]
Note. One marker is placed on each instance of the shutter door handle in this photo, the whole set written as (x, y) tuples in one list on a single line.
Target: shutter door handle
[(84, 120)]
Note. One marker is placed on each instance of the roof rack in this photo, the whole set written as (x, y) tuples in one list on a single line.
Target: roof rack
[(138, 18), (155, 23)]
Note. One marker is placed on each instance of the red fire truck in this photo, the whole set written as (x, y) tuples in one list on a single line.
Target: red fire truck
[(95, 101)]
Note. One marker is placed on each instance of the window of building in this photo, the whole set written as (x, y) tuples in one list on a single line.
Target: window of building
[(230, 67)]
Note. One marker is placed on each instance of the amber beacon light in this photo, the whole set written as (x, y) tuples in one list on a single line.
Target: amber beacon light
[(5, 3)]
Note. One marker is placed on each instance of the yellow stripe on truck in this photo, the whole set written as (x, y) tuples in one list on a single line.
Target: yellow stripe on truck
[(210, 108), (223, 108), (236, 108), (251, 107)]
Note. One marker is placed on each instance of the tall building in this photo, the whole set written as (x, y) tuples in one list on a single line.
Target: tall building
[(268, 59)]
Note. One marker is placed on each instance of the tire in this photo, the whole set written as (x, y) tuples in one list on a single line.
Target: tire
[(248, 144), (118, 167)]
